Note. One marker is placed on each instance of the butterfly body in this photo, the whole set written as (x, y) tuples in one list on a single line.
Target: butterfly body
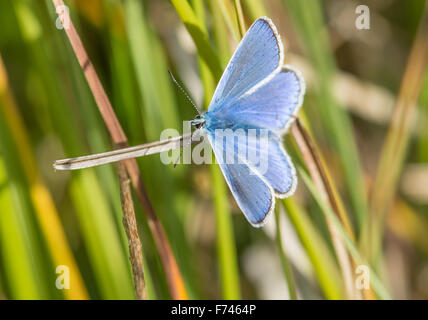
[(256, 100)]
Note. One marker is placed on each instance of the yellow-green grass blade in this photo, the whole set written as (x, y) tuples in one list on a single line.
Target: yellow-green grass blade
[(229, 20), (317, 249), (44, 208), (206, 75), (111, 269), (61, 117), (201, 39), (255, 8), (226, 248), (31, 252), (20, 281), (422, 140), (17, 268), (220, 36)]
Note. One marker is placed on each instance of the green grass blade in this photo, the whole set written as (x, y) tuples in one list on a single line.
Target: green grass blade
[(225, 238), (322, 260), (200, 38), (59, 104), (102, 241), (30, 256), (286, 266), (228, 18), (255, 8), (18, 269), (350, 245)]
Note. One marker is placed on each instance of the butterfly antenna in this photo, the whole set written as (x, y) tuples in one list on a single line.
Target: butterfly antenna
[(182, 90)]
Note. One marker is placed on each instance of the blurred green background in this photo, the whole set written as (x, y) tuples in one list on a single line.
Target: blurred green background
[(47, 112)]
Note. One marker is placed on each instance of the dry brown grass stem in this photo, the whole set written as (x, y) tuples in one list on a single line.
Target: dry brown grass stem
[(174, 278), (320, 178), (130, 225)]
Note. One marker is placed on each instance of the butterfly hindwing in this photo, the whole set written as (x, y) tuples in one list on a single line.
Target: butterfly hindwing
[(272, 162), (253, 195)]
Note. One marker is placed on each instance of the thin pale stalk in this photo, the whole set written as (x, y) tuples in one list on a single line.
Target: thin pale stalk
[(226, 13), (141, 150), (240, 17)]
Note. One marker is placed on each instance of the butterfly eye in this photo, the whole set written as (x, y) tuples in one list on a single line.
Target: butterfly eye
[(198, 122)]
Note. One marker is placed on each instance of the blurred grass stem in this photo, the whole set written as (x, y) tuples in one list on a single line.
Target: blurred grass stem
[(397, 140)]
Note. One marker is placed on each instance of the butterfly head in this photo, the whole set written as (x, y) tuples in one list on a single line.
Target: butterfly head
[(198, 122)]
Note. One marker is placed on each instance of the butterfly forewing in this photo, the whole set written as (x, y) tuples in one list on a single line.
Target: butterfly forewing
[(258, 56)]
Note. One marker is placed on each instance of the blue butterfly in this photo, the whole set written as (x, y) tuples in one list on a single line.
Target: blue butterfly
[(256, 91)]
